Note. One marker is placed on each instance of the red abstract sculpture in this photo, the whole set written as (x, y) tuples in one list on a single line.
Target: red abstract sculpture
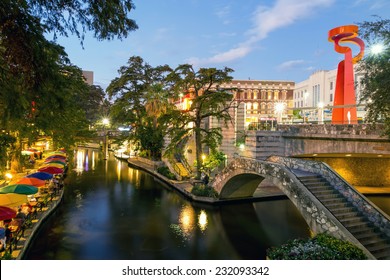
[(344, 110)]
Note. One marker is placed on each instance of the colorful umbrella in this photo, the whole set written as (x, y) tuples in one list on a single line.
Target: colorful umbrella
[(40, 175), (51, 170), (12, 199), (6, 213), (56, 160), (31, 181), (56, 157), (19, 189), (52, 165)]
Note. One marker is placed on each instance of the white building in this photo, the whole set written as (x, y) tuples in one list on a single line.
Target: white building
[(314, 96)]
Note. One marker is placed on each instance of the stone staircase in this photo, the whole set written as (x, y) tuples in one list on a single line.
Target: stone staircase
[(348, 215)]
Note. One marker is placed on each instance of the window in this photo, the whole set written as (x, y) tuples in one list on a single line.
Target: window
[(331, 97), (331, 86)]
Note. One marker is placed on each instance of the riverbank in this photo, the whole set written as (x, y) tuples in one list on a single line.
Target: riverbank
[(185, 187), (21, 246), (266, 192)]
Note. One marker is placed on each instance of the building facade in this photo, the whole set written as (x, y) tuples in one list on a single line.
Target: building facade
[(314, 97), (266, 102)]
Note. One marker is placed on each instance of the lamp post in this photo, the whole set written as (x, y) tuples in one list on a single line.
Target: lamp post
[(279, 108), (105, 122), (320, 112)]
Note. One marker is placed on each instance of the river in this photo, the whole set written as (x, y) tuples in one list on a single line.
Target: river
[(113, 211)]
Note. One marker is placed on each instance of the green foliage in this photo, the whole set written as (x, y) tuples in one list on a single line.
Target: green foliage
[(7, 255), (375, 84), (204, 190), (321, 247), (212, 161), (208, 100), (141, 101), (42, 93), (164, 170)]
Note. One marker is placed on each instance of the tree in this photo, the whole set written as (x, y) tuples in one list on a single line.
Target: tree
[(23, 23), (141, 101), (208, 100), (39, 87), (376, 70)]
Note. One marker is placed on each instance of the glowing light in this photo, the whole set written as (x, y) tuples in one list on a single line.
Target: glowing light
[(242, 147), (202, 220), (105, 121), (8, 176), (279, 107), (118, 169), (377, 49), (79, 163), (186, 219)]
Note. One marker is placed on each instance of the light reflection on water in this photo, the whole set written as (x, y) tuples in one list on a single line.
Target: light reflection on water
[(111, 211)]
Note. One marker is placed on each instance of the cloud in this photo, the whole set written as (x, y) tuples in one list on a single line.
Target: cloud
[(229, 55), (287, 65), (223, 13), (266, 20)]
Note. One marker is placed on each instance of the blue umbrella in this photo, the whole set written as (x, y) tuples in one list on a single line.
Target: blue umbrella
[(41, 175)]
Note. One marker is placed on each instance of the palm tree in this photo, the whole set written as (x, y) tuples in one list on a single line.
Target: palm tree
[(156, 103)]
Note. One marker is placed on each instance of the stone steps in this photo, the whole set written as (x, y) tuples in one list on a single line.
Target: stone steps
[(348, 215)]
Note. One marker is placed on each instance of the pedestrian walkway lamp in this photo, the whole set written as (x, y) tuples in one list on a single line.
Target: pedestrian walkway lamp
[(105, 122), (279, 108), (320, 112)]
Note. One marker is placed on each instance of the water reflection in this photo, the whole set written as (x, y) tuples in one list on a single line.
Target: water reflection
[(202, 220), (118, 169), (112, 211), (186, 219), (79, 161)]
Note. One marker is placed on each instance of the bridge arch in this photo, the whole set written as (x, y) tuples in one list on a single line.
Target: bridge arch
[(242, 176)]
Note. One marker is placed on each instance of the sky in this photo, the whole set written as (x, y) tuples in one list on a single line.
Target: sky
[(258, 39)]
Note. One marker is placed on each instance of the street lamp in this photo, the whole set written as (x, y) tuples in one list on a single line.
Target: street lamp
[(279, 108), (320, 112), (105, 122), (377, 48)]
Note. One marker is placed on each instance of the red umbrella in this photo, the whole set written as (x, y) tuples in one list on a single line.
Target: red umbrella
[(56, 159), (51, 170), (6, 213)]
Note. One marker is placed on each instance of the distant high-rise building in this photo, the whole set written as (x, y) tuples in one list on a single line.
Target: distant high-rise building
[(88, 75)]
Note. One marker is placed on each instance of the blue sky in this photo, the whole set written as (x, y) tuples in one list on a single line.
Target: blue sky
[(258, 39)]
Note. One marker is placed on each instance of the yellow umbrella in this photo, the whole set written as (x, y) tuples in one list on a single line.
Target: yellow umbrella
[(53, 165), (12, 199)]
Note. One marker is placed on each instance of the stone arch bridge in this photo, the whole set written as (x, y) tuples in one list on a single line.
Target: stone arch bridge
[(325, 200)]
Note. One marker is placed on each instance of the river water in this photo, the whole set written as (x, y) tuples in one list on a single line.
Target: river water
[(113, 211)]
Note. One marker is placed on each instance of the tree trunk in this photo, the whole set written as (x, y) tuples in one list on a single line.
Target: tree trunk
[(198, 145)]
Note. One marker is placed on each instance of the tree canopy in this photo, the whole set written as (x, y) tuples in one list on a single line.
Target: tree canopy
[(141, 101), (41, 91), (208, 101), (376, 70)]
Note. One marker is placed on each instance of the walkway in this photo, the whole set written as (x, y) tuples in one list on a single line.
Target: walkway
[(23, 243)]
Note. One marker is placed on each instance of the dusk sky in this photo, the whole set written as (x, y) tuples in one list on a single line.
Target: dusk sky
[(258, 39)]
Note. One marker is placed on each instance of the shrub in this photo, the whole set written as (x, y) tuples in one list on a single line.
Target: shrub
[(321, 247), (204, 190), (164, 170)]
